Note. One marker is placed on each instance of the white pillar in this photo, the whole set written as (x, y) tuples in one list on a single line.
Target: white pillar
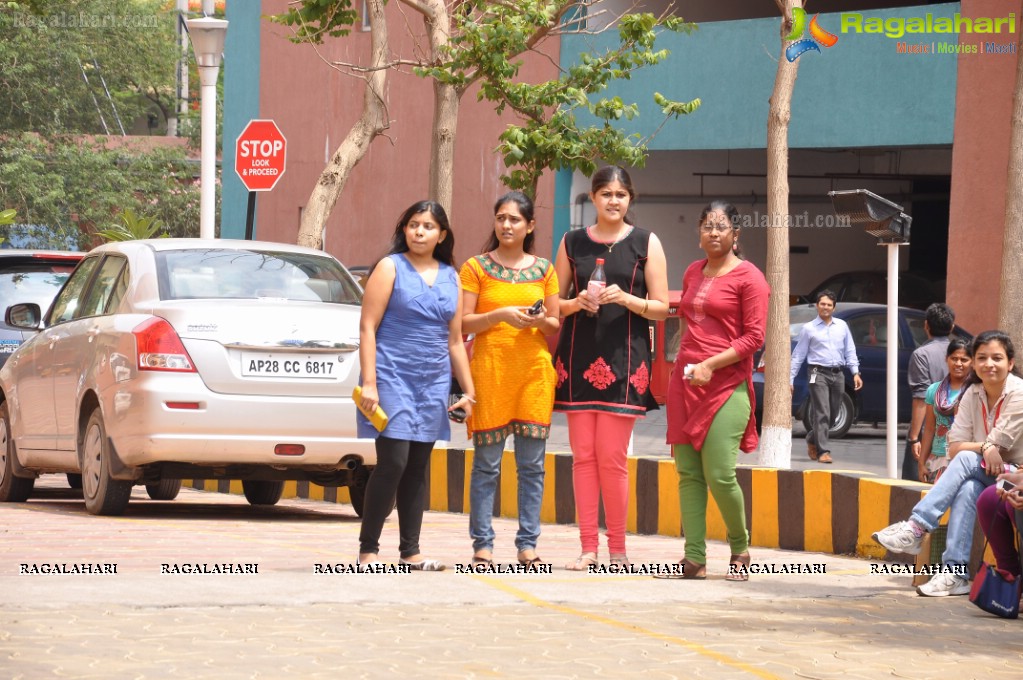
[(208, 166), (892, 369)]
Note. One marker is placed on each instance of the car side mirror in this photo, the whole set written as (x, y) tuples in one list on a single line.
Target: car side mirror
[(25, 315)]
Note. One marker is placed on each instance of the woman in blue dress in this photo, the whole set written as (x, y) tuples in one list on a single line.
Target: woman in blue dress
[(410, 340)]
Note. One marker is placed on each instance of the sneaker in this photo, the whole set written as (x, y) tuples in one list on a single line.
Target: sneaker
[(900, 538), (943, 585)]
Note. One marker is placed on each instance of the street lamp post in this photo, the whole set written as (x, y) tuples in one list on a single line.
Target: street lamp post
[(886, 221), (207, 35)]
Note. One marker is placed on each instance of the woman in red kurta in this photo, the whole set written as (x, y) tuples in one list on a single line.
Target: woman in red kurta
[(710, 397)]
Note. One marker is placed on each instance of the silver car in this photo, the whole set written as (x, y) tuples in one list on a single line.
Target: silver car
[(173, 359)]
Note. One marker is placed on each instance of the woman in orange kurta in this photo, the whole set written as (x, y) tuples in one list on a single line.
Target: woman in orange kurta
[(512, 370)]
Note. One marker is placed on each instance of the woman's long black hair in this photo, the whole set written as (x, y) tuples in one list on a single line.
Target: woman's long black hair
[(981, 340), (614, 173), (444, 251), (525, 205)]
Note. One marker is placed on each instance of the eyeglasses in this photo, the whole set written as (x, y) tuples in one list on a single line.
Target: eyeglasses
[(710, 228)]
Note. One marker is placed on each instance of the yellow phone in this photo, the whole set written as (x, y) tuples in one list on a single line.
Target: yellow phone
[(377, 417)]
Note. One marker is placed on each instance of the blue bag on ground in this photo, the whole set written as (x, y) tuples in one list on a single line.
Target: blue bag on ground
[(992, 593)]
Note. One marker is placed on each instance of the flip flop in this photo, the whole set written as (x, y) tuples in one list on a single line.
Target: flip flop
[(741, 564), (620, 560), (533, 561), (691, 571), (583, 562), (423, 565)]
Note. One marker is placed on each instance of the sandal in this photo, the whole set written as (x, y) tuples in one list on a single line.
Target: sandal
[(423, 565), (691, 571), (583, 562), (738, 567), (533, 561), (620, 560), (484, 560)]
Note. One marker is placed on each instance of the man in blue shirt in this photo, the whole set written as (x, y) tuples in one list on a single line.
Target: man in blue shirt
[(826, 345)]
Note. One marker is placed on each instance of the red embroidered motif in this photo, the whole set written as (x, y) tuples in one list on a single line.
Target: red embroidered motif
[(599, 374), (559, 369), (640, 379)]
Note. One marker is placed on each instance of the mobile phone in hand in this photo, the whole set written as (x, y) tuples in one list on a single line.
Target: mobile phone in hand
[(1005, 485), (536, 308), (456, 415)]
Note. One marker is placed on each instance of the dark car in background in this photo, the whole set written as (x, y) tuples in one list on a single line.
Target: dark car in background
[(868, 324), (30, 276), (915, 291)]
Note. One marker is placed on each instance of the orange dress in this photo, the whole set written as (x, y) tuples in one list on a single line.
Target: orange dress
[(511, 367)]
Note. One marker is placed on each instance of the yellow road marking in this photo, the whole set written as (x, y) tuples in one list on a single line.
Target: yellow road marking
[(614, 623)]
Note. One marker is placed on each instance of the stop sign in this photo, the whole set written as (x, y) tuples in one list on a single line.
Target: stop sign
[(259, 155)]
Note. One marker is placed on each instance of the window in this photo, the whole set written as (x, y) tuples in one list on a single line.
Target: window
[(67, 302), (99, 295), (248, 274), (916, 329), (869, 330), (672, 337)]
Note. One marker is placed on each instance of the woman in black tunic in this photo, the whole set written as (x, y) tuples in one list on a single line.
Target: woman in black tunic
[(603, 356)]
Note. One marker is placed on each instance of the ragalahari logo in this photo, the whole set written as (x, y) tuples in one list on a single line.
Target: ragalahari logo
[(818, 36)]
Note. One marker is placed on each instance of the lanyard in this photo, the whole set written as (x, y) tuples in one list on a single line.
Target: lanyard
[(983, 408)]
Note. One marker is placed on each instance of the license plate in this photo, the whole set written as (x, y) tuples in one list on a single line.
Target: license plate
[(273, 365)]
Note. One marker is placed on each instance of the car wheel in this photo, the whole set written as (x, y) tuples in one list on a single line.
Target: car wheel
[(103, 494), (358, 495), (259, 492), (843, 420), (357, 490), (164, 490), (12, 489), (74, 480)]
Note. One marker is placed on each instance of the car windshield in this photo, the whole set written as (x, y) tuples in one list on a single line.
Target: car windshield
[(36, 282), (248, 274)]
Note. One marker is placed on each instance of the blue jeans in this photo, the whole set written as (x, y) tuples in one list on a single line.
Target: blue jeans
[(486, 464), (958, 488)]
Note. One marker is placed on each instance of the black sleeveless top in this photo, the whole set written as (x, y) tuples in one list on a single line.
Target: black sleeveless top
[(603, 361)]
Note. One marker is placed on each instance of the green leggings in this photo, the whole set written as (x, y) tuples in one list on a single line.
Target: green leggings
[(714, 466)]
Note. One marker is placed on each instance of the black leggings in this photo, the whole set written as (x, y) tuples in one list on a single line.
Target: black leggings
[(400, 471)]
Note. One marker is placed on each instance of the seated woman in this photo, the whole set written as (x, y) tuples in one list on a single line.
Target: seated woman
[(942, 399), (984, 442), (999, 513)]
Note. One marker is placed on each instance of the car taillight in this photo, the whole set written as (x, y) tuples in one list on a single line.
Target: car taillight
[(159, 348)]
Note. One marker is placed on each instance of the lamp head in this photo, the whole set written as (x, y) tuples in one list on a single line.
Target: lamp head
[(207, 36), (879, 216)]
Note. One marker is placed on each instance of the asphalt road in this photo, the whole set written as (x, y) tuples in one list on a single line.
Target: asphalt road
[(801, 615)]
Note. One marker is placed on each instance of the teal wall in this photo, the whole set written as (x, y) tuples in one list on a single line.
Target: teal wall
[(241, 104), (858, 93)]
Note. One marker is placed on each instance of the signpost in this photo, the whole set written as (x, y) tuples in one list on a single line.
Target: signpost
[(259, 161)]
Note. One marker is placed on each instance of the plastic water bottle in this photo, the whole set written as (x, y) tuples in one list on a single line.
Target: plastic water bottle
[(597, 283)]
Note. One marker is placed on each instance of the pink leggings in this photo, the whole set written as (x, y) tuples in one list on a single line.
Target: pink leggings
[(600, 446)]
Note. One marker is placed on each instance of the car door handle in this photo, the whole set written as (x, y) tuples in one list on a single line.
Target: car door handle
[(93, 332), (53, 340)]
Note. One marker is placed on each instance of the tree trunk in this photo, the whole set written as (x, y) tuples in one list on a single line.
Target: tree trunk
[(442, 144), (776, 437), (371, 123), (445, 105), (1009, 318)]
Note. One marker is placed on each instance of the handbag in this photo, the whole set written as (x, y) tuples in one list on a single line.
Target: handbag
[(995, 594)]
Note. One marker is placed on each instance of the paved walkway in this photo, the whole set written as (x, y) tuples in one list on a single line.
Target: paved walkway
[(288, 621)]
